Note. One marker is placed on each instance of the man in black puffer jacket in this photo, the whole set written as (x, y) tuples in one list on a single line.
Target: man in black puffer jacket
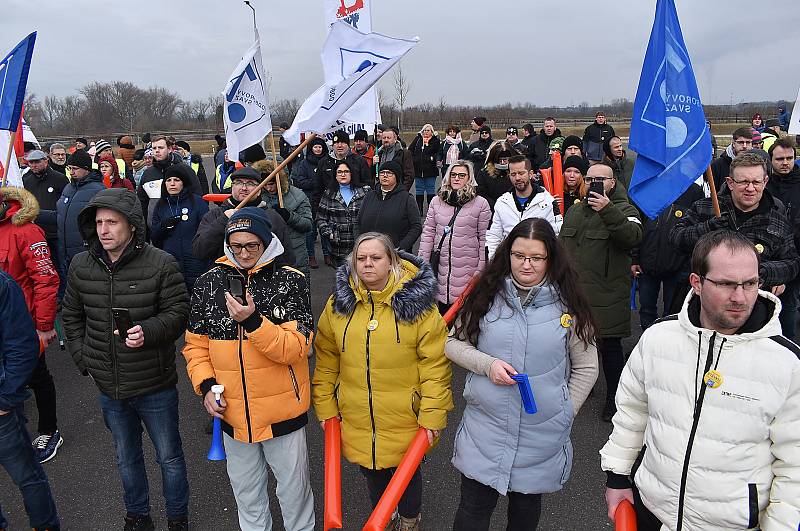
[(540, 145), (135, 373)]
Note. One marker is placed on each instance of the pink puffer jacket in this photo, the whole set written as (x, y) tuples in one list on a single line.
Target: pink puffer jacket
[(464, 254)]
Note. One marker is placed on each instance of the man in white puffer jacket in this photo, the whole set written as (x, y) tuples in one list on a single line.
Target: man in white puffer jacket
[(707, 431), (525, 200)]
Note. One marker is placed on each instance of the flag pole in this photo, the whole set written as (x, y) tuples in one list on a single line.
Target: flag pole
[(713, 187), (8, 157), (279, 167)]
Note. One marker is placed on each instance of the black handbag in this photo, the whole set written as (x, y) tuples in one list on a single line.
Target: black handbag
[(437, 254)]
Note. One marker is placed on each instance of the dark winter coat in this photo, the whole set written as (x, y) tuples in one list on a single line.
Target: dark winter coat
[(19, 344), (298, 224), (209, 240), (540, 147), (721, 168), (395, 215), (424, 157), (492, 187), (593, 138), (655, 254), (156, 173), (403, 157), (74, 198), (599, 244), (200, 172), (147, 282), (177, 240), (768, 229), (623, 169), (478, 151), (339, 222), (46, 188), (786, 188)]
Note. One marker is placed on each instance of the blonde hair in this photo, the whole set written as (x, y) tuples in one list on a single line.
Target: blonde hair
[(388, 246), (470, 188)]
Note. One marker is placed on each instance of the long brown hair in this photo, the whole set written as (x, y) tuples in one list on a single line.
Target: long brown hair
[(560, 274)]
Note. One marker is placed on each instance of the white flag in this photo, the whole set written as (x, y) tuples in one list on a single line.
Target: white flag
[(794, 122), (352, 62), (246, 114), (14, 175), (365, 113)]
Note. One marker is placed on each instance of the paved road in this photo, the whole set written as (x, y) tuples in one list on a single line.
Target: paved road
[(89, 494)]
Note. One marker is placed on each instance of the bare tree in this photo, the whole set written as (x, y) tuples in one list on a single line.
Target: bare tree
[(126, 101), (402, 86)]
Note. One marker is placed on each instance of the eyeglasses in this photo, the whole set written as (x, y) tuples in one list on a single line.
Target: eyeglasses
[(251, 247), (728, 285), (458, 175), (744, 184), (533, 260), (386, 173), (244, 184), (590, 180), (342, 172)]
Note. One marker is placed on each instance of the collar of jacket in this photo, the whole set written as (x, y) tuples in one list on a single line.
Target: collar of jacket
[(793, 177), (411, 296), (22, 207), (93, 176), (762, 323)]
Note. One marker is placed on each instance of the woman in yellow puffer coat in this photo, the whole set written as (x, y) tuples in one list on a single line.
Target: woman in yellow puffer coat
[(381, 365)]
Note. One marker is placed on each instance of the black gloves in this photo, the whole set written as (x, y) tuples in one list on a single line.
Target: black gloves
[(282, 212)]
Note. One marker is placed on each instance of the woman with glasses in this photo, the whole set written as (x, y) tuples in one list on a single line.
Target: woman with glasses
[(454, 233), (527, 315), (389, 209), (381, 366), (424, 150), (480, 148), (337, 216), (493, 179)]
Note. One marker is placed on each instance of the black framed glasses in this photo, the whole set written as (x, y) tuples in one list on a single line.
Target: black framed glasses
[(251, 247), (730, 286)]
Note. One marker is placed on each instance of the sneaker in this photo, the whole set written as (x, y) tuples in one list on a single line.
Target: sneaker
[(408, 524), (392, 521), (45, 447), (138, 522), (178, 525)]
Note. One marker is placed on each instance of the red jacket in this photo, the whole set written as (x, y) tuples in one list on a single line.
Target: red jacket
[(25, 256)]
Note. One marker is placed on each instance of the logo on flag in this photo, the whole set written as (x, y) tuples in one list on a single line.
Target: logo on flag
[(668, 128), (246, 114), (352, 62)]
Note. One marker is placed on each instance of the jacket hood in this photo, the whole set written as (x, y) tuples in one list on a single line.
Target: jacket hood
[(183, 172), (412, 295), (173, 158), (120, 200), (273, 251), (762, 323), (23, 207)]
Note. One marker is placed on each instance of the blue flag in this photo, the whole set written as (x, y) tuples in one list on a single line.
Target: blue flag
[(13, 79), (668, 127)]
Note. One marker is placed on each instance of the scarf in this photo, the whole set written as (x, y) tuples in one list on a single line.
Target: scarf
[(452, 151), (389, 153)]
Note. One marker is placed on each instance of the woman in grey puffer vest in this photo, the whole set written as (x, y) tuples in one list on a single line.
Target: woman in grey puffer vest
[(526, 315)]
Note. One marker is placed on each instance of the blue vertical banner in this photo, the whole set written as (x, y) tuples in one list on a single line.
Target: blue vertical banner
[(668, 128), (14, 70)]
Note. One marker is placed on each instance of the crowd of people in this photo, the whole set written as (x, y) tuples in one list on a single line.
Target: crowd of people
[(123, 252)]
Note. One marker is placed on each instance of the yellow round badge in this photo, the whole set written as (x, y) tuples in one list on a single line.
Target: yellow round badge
[(372, 325), (759, 248), (566, 320), (713, 379), (678, 213)]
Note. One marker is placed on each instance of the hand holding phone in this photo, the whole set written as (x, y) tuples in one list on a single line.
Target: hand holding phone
[(122, 321), (235, 286), (597, 187)]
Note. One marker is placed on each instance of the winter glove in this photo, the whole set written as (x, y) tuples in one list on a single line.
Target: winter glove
[(282, 212), (170, 223)]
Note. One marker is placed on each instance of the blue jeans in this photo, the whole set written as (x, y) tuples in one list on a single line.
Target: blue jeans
[(649, 287), (425, 185), (16, 456), (159, 413)]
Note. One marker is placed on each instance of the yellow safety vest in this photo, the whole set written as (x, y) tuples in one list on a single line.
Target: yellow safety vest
[(120, 166)]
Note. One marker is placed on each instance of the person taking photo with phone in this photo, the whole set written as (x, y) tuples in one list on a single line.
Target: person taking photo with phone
[(250, 330), (132, 366), (599, 233)]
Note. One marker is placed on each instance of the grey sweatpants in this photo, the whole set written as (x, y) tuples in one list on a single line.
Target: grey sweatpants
[(287, 457)]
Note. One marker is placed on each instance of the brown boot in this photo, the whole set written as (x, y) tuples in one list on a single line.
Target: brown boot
[(312, 262), (408, 524)]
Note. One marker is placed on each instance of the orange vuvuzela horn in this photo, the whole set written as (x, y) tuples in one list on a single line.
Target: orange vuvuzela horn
[(625, 517), (333, 474)]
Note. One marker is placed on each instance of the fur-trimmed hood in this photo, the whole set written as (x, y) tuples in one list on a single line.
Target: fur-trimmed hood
[(412, 295), (22, 205)]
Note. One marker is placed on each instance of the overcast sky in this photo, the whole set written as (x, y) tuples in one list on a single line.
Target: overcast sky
[(548, 52)]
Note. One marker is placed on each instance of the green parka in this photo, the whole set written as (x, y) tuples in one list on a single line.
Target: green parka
[(600, 244), (385, 382)]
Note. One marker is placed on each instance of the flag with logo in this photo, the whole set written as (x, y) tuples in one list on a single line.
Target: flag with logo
[(14, 70), (246, 107), (352, 63), (668, 128), (365, 113)]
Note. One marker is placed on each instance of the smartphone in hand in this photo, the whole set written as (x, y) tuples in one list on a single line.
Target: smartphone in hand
[(235, 285), (122, 321), (597, 187)]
